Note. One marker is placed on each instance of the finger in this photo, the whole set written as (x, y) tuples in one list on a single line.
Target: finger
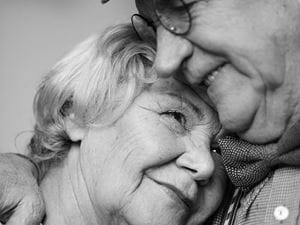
[(30, 211)]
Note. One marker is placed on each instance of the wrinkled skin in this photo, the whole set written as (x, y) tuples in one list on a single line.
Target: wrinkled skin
[(254, 46), (19, 192), (162, 140), (258, 41), (180, 156)]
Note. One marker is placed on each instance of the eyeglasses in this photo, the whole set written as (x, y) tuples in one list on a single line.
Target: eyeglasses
[(174, 15)]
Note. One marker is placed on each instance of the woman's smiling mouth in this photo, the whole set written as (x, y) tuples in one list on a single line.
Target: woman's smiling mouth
[(175, 194)]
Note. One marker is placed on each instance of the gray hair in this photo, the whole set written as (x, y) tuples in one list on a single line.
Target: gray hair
[(96, 82)]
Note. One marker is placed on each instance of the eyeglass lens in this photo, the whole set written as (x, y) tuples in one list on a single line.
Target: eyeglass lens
[(173, 15)]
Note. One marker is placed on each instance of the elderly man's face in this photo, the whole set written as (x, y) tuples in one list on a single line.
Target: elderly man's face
[(154, 166), (245, 53)]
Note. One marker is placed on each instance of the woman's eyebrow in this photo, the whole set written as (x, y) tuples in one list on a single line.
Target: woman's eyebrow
[(186, 101)]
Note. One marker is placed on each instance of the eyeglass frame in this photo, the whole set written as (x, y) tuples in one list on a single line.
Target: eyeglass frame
[(171, 28)]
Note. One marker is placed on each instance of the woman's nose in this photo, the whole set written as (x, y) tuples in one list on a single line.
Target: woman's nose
[(198, 161), (172, 51)]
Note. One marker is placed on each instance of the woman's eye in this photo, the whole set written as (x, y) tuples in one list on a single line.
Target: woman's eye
[(174, 116), (177, 116)]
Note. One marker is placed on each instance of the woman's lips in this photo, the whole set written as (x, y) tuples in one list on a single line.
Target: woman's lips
[(175, 194)]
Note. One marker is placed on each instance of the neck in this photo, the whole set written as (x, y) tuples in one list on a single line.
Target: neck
[(66, 194)]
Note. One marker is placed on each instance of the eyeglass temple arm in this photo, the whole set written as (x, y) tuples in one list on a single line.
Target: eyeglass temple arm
[(104, 1)]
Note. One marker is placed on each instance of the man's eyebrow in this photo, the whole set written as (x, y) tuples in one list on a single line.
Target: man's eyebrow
[(182, 99)]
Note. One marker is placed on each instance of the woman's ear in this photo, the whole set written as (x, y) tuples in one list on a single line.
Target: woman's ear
[(74, 130)]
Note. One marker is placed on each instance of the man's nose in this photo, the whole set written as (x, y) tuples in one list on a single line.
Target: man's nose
[(172, 50), (198, 161)]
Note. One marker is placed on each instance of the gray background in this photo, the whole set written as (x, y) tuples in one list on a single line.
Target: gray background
[(34, 34)]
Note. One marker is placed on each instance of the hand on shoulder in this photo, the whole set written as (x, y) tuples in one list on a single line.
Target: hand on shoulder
[(21, 201)]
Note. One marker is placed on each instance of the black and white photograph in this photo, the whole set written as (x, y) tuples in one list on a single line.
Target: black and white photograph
[(150, 112)]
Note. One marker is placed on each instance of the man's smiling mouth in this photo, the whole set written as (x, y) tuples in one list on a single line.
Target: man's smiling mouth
[(211, 76)]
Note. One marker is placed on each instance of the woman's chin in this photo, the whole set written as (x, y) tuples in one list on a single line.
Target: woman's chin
[(153, 204)]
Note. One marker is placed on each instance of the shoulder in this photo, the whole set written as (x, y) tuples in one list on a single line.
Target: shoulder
[(276, 200)]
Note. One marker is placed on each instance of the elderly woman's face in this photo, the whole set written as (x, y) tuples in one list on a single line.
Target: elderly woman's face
[(154, 165)]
